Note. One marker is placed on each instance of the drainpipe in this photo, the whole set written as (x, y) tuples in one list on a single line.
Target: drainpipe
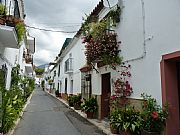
[(144, 36)]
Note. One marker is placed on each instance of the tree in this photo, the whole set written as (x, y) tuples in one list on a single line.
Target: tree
[(39, 71)]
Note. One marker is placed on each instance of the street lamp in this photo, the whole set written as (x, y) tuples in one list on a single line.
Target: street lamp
[(110, 3)]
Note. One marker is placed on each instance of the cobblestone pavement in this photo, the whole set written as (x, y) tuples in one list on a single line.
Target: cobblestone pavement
[(46, 115)]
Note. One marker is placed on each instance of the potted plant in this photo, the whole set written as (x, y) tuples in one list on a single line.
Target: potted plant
[(90, 107), (43, 84), (21, 30), (77, 102), (2, 14), (57, 93), (115, 121), (130, 121), (71, 101), (154, 116)]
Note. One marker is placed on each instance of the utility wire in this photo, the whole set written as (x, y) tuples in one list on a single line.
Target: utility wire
[(62, 31)]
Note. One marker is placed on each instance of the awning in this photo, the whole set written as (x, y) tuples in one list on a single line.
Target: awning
[(8, 37), (86, 68)]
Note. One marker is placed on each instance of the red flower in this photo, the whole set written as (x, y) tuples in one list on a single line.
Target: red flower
[(154, 115)]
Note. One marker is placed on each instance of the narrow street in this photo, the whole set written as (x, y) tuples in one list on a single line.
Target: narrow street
[(46, 115)]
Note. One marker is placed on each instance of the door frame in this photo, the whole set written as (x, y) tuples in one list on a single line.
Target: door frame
[(170, 90)]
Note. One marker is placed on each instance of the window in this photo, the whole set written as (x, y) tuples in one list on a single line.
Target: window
[(68, 67)]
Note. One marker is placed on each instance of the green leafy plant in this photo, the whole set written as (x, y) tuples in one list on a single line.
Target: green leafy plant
[(15, 76), (21, 30), (14, 99), (90, 105), (2, 79), (43, 84), (50, 81), (114, 15), (130, 120), (3, 10), (74, 100), (39, 71), (77, 99), (154, 116), (71, 101), (115, 119), (100, 42), (12, 104)]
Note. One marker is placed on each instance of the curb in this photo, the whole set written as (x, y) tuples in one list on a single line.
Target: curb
[(93, 121), (21, 114)]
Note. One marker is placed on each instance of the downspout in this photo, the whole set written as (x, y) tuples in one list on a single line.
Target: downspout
[(144, 37)]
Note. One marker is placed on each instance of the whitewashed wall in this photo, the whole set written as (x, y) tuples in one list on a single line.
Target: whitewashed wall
[(162, 32), (21, 60), (145, 26), (11, 55), (76, 48)]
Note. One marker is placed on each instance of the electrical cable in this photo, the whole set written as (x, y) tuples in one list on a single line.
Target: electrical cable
[(49, 30)]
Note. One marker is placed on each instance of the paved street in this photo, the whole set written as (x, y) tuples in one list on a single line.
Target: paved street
[(46, 115)]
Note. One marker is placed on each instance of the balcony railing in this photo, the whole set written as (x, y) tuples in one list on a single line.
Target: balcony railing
[(68, 66)]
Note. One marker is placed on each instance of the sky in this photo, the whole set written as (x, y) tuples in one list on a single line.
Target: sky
[(61, 15)]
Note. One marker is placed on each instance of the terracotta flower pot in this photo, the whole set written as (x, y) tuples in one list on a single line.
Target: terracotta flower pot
[(113, 129), (2, 21), (144, 132), (125, 133), (90, 115), (77, 106)]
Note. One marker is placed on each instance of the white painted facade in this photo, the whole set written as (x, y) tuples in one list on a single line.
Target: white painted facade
[(147, 30), (74, 51), (10, 53)]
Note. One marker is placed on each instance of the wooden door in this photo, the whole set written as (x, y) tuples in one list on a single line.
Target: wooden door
[(106, 92)]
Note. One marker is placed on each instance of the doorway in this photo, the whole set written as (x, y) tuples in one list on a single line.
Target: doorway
[(106, 93), (170, 81), (71, 87)]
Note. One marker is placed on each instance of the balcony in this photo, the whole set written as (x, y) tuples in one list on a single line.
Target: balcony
[(11, 28), (8, 37), (68, 67)]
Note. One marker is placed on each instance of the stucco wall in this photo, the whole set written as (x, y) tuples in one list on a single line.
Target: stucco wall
[(76, 49), (161, 37)]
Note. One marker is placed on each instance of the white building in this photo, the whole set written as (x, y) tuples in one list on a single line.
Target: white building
[(66, 71), (149, 34), (12, 52)]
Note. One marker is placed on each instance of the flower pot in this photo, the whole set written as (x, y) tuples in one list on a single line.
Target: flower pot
[(77, 106), (125, 133), (114, 130), (144, 132), (90, 115), (2, 21)]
